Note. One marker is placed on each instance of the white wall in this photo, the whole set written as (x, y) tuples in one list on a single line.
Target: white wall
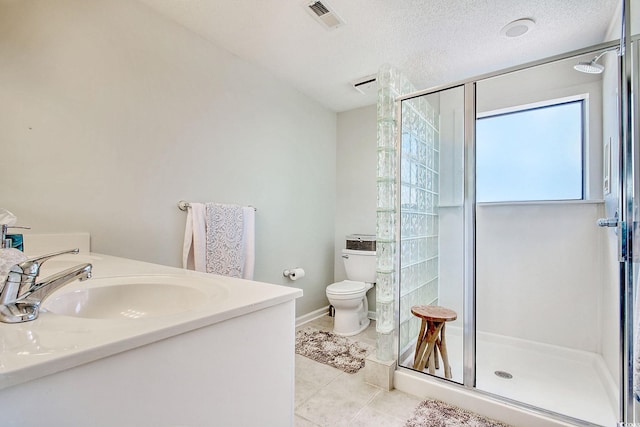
[(356, 189), (539, 265), (538, 268), (110, 114)]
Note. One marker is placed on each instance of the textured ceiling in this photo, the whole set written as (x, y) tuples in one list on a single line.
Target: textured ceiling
[(433, 41)]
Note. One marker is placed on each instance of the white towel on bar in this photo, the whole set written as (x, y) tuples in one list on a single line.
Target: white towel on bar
[(249, 240), (230, 240), (195, 244)]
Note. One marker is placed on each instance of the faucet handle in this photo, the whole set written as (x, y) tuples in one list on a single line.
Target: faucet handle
[(31, 267), (22, 277)]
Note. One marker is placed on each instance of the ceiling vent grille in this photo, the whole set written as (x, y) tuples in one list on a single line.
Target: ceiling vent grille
[(324, 14), (366, 85), (318, 8)]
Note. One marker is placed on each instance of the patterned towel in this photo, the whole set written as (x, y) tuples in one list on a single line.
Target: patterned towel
[(225, 244)]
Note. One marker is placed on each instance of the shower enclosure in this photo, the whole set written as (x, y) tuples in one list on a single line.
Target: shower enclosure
[(514, 206)]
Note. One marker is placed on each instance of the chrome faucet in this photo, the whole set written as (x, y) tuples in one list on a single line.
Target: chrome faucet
[(21, 296)]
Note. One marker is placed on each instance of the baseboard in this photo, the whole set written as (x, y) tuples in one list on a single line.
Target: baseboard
[(316, 314)]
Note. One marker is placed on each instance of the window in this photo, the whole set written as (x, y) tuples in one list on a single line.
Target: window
[(531, 154)]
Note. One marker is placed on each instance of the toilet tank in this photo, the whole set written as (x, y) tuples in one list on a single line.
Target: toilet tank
[(360, 265), (361, 242)]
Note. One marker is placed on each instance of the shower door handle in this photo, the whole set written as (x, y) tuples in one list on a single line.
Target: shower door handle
[(621, 232), (609, 222)]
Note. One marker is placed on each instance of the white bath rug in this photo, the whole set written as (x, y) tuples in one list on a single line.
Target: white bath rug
[(331, 349), (434, 413)]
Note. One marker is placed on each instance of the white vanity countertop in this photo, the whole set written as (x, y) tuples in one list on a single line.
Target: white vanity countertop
[(55, 342)]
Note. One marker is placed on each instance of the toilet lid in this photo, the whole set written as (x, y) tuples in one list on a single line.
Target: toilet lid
[(346, 287)]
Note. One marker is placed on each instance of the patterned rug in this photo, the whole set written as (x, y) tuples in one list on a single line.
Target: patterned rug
[(434, 413), (331, 349)]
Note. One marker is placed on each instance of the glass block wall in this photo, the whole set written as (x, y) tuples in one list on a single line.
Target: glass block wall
[(418, 239), (389, 87), (419, 199)]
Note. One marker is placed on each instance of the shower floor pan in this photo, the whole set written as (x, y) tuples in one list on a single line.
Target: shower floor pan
[(569, 382)]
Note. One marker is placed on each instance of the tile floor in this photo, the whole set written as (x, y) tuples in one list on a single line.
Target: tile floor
[(326, 396)]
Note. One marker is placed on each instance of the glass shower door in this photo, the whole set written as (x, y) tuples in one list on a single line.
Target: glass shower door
[(630, 197), (538, 289), (431, 175), (547, 277), (534, 282)]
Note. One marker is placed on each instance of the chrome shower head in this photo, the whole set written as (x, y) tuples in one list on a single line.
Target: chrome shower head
[(590, 67)]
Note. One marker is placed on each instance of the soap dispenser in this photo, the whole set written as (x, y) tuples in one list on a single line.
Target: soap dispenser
[(9, 256)]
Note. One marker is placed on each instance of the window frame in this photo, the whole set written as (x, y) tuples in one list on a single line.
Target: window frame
[(583, 100)]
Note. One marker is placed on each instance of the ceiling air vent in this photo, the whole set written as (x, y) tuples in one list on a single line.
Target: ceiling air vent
[(324, 14), (366, 85)]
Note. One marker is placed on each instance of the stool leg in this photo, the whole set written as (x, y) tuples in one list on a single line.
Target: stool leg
[(435, 353), (443, 352), (421, 345), (432, 333), (432, 364)]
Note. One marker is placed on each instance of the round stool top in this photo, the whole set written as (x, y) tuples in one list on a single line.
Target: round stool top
[(434, 313)]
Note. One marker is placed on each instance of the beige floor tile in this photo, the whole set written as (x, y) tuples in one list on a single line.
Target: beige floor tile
[(304, 390), (396, 403), (326, 396), (370, 332), (301, 422), (368, 336), (315, 372), (326, 408), (369, 417), (368, 341), (354, 387)]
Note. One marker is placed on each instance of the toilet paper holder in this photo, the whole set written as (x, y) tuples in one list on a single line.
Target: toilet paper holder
[(294, 273)]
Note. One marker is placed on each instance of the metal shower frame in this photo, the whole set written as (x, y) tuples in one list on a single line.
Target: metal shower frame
[(626, 199)]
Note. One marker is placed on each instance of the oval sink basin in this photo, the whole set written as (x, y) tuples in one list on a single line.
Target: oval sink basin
[(127, 298)]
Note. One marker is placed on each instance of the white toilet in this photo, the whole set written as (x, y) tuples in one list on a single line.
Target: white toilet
[(349, 297)]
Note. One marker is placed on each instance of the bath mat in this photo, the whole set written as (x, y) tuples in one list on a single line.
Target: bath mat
[(434, 413), (331, 349)]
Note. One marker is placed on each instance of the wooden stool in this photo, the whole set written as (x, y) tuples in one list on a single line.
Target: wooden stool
[(431, 337)]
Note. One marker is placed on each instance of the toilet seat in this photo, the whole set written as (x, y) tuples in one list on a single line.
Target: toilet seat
[(346, 289)]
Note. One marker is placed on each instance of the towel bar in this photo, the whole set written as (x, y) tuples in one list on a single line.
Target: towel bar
[(183, 205)]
